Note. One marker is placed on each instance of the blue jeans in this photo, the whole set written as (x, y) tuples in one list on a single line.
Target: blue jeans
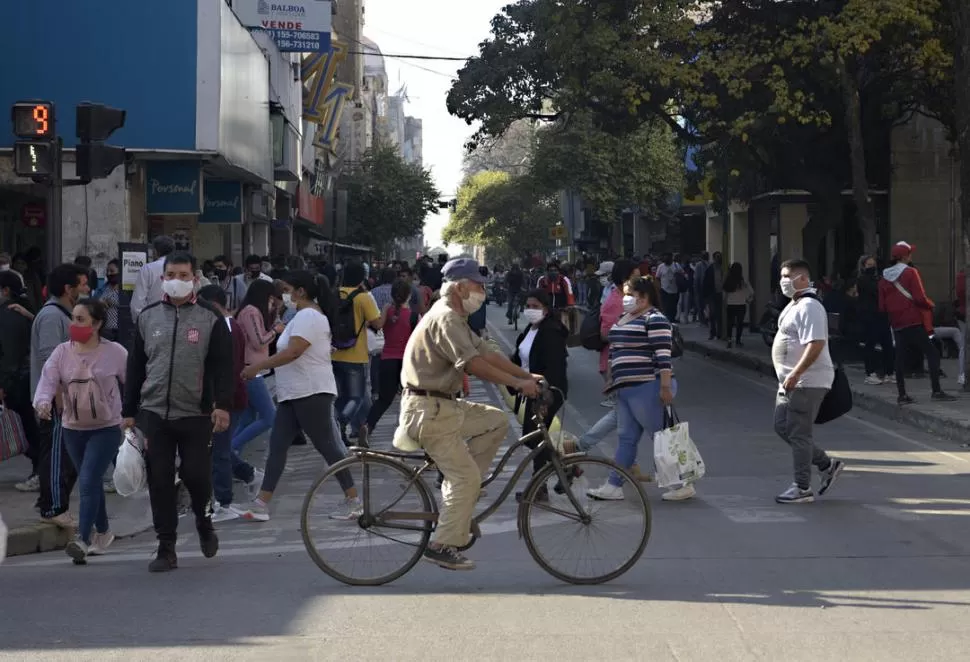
[(598, 432), (259, 415), (351, 386), (92, 451), (639, 414), (226, 462)]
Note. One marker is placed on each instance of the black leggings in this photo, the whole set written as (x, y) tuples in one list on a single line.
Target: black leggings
[(735, 320), (389, 382), (314, 416)]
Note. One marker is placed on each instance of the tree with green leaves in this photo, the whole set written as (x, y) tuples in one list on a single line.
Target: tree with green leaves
[(850, 64), (642, 168), (502, 211), (388, 198), (511, 152), (624, 61)]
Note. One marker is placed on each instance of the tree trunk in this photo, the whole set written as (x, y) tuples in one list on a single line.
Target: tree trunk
[(961, 27), (857, 147)]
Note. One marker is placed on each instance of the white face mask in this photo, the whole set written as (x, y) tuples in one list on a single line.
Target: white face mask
[(287, 299), (604, 281), (629, 304), (533, 316), (178, 289), (473, 302), (4, 267), (787, 287)]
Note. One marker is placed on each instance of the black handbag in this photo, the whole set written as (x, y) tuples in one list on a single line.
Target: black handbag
[(838, 401)]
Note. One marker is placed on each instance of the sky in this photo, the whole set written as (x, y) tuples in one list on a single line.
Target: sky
[(438, 28)]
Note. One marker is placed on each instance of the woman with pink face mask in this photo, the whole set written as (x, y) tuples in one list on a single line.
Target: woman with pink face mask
[(86, 373)]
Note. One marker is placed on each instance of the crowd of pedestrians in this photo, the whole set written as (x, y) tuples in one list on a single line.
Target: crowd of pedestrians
[(217, 357), (319, 352)]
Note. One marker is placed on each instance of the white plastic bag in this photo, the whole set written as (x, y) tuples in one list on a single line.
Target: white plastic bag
[(375, 341), (676, 457), (3, 540), (130, 475)]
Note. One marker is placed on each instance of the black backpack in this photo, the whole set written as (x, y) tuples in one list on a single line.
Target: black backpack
[(589, 331), (343, 324)]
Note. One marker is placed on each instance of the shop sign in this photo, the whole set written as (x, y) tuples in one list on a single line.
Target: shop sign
[(173, 187), (223, 202)]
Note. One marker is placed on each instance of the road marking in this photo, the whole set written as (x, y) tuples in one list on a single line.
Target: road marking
[(493, 528), (855, 419), (750, 510)]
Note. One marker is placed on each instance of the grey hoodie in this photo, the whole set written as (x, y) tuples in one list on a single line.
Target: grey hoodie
[(50, 329)]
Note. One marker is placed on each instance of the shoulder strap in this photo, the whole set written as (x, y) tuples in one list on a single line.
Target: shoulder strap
[(903, 290), (58, 306)]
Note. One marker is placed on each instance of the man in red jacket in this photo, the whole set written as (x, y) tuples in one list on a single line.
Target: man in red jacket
[(902, 297)]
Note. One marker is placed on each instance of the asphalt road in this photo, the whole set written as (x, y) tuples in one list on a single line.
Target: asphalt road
[(876, 570)]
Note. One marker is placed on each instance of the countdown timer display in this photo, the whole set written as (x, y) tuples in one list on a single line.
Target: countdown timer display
[(33, 120)]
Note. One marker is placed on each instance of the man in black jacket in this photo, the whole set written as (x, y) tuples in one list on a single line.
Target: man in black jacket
[(15, 322), (180, 386)]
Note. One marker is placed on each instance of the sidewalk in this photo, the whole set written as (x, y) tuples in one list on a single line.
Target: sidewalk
[(950, 420)]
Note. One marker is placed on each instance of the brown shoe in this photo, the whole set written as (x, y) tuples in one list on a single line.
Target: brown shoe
[(642, 477), (63, 521), (569, 447)]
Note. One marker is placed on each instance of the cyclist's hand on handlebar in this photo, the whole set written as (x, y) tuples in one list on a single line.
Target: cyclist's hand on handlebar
[(528, 387)]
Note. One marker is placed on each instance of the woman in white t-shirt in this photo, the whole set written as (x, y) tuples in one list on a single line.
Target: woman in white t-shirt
[(305, 391)]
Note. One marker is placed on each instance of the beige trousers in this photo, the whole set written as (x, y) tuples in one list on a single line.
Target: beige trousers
[(442, 428)]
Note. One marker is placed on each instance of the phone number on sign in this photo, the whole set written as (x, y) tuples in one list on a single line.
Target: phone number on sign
[(302, 45)]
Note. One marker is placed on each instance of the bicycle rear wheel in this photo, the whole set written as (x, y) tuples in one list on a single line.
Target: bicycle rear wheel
[(379, 542), (553, 527)]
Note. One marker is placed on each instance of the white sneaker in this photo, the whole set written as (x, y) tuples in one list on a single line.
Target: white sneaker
[(795, 494), (32, 484), (680, 494), (606, 492), (257, 481), (255, 511), (873, 380), (961, 380), (100, 543), (350, 509), (77, 550), (222, 513)]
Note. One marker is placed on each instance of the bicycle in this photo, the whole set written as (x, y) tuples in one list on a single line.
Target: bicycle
[(409, 527), (515, 305)]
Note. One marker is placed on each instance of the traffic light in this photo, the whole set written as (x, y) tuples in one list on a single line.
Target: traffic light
[(95, 124), (35, 152)]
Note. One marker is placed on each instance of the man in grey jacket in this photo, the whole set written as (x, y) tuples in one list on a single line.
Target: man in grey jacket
[(65, 285), (180, 387)]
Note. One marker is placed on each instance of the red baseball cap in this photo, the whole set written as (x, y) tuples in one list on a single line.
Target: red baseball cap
[(902, 249)]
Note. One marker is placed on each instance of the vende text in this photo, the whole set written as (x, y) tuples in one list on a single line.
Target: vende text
[(283, 25)]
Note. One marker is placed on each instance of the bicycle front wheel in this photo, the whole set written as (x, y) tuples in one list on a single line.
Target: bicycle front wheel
[(594, 543), (380, 540)]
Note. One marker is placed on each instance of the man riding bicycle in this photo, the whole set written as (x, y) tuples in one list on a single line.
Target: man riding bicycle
[(514, 281), (441, 349)]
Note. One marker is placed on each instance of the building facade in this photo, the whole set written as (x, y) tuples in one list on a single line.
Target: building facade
[(213, 132)]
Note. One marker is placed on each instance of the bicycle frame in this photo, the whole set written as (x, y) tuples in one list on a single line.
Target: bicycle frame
[(386, 517)]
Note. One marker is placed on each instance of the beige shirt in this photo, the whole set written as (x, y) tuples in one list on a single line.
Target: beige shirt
[(439, 349)]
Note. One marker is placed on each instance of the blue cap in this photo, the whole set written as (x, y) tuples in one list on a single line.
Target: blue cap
[(462, 268)]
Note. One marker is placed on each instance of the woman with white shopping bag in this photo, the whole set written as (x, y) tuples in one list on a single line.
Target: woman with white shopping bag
[(642, 376), (88, 373)]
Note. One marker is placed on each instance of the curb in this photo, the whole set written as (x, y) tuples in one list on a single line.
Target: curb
[(947, 428), (36, 538)]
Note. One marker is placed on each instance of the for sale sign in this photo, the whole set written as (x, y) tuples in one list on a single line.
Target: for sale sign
[(297, 26)]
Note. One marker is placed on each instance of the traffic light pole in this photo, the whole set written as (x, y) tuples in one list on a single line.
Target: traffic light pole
[(55, 202)]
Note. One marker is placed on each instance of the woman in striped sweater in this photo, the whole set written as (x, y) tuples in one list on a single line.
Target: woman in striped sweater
[(642, 376)]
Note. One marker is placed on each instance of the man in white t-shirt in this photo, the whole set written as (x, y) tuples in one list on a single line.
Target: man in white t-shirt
[(805, 372)]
